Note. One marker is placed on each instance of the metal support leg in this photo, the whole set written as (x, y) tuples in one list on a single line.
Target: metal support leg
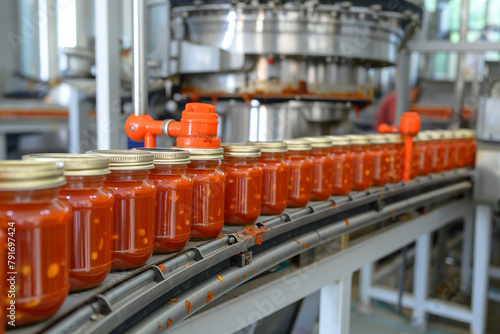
[(420, 280), (365, 284), (480, 279), (308, 314), (335, 307), (466, 256)]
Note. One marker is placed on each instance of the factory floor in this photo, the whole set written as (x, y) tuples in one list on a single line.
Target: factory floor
[(385, 320)]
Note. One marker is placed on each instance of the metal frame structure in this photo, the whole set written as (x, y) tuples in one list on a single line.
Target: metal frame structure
[(162, 289)]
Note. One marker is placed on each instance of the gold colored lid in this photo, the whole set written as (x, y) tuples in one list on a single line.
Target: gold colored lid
[(319, 142), (241, 150), (422, 136), (166, 156), (74, 164), (126, 160), (339, 140), (448, 134), (298, 145), (435, 135), (30, 175), (378, 139), (393, 138), (203, 153), (272, 146), (358, 139)]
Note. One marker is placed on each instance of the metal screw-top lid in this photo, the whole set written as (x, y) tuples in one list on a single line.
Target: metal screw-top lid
[(469, 133), (298, 145), (339, 140), (319, 142), (166, 156), (74, 164), (126, 160), (378, 139), (273, 146), (422, 136), (203, 153), (393, 138), (241, 150), (30, 175), (359, 139), (447, 134), (435, 135)]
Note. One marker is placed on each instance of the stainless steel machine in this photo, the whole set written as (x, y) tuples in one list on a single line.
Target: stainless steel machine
[(280, 69)]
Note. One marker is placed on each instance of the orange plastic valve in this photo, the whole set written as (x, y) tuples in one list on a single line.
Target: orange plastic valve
[(197, 128), (409, 128)]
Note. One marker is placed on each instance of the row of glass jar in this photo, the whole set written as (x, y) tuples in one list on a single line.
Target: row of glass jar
[(114, 218)]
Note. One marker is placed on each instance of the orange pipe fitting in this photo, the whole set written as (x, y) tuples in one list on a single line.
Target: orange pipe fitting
[(409, 128), (197, 128)]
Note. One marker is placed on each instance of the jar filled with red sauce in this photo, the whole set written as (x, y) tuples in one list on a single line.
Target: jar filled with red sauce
[(243, 189), (132, 240), (322, 160), (362, 162), (422, 154), (395, 148), (174, 198), (32, 214), (449, 145), (460, 148), (208, 192), (438, 149), (470, 152), (300, 172), (274, 176), (379, 148), (91, 223), (342, 165)]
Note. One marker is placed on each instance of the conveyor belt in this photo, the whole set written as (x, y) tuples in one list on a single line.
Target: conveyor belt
[(126, 298)]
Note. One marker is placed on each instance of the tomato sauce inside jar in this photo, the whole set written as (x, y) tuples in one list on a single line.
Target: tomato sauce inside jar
[(422, 155), (449, 157), (243, 190), (362, 162), (174, 198), (274, 195), (322, 174), (208, 192), (460, 148), (381, 159), (32, 214), (396, 155), (3, 277), (91, 223), (300, 172), (438, 149), (470, 144), (342, 165), (132, 240)]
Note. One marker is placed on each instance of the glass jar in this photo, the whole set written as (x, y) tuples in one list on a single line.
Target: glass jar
[(381, 159), (274, 176), (362, 162), (342, 165), (322, 161), (174, 198), (460, 148), (470, 153), (132, 240), (92, 206), (395, 149), (437, 147), (243, 184), (208, 192), (300, 172), (449, 156), (422, 153), (31, 209)]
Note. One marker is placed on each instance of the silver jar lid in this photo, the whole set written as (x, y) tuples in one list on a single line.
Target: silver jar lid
[(298, 145), (359, 139), (74, 164), (126, 160), (166, 156), (319, 142)]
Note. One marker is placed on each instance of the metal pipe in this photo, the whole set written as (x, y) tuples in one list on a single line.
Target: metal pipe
[(140, 80), (460, 82)]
